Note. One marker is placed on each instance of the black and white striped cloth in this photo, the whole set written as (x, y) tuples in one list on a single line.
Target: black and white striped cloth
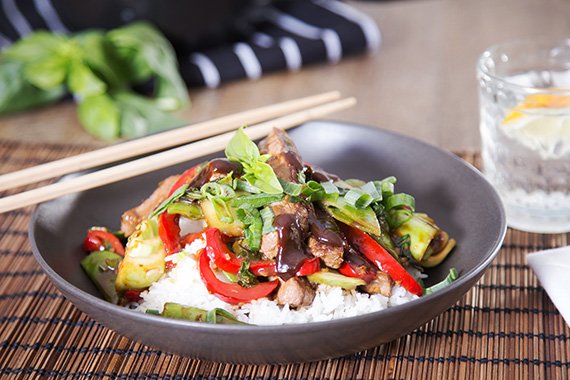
[(285, 35)]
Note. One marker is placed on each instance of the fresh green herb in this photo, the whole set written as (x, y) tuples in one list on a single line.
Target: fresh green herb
[(451, 277), (257, 200), (251, 218), (257, 172), (167, 202), (245, 277), (98, 69), (267, 217)]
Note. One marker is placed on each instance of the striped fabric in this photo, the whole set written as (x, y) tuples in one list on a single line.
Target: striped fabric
[(283, 36)]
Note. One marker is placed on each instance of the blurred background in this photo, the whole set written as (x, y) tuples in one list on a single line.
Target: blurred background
[(416, 75)]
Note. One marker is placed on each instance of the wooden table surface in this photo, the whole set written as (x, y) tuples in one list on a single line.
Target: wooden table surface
[(421, 82)]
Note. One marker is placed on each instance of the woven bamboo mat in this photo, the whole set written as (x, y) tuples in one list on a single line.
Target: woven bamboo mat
[(505, 327)]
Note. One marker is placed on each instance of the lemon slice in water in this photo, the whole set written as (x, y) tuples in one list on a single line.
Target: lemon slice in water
[(541, 123)]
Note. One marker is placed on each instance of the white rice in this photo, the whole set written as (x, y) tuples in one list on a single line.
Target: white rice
[(183, 285)]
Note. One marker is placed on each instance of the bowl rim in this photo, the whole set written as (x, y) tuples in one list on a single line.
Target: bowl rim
[(464, 278)]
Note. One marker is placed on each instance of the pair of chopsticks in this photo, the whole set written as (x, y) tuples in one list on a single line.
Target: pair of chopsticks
[(204, 138)]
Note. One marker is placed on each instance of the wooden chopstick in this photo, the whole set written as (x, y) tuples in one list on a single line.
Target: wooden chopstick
[(175, 137), (163, 159)]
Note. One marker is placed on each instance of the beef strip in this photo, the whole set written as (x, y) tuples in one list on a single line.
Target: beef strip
[(381, 284), (270, 242), (330, 254), (295, 292), (131, 218), (326, 241), (285, 158)]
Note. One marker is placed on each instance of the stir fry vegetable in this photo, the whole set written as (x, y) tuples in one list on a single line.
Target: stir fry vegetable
[(269, 225)]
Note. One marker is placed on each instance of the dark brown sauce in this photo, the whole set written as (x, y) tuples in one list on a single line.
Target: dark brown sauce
[(224, 166), (291, 252), (319, 175), (325, 230), (220, 166), (358, 261)]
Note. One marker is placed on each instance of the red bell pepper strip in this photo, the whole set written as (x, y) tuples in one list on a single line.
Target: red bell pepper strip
[(381, 258), (349, 270), (101, 240), (132, 295), (226, 260), (232, 293), (185, 178), (309, 267), (169, 232)]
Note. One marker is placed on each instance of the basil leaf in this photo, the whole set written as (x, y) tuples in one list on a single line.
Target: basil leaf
[(140, 116), (16, 94), (98, 53), (167, 202), (148, 53), (262, 176), (47, 73), (36, 46), (241, 149), (82, 82), (100, 116)]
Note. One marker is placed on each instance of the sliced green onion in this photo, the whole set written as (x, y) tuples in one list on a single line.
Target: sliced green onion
[(217, 190), (452, 276), (358, 198), (386, 186), (313, 191), (329, 187), (370, 188), (353, 182), (257, 200), (291, 188), (400, 200), (162, 207)]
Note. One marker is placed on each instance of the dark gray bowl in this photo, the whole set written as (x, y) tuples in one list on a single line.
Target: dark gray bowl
[(447, 188)]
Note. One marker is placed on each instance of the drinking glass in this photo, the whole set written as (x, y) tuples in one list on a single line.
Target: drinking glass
[(524, 98)]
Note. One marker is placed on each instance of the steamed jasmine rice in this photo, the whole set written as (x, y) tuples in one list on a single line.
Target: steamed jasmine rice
[(184, 286)]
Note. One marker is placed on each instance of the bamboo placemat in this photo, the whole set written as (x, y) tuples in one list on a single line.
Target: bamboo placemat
[(505, 327)]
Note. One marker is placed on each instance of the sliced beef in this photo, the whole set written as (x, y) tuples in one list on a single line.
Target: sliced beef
[(326, 241), (270, 241), (295, 292), (381, 284), (285, 158), (131, 218), (330, 254)]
